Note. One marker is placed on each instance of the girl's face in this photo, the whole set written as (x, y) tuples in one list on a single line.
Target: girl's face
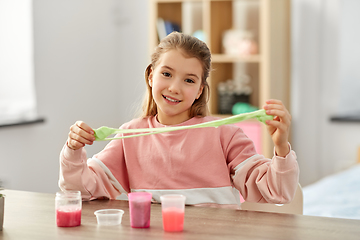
[(176, 84)]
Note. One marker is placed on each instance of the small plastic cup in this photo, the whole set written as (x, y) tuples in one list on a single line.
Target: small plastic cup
[(140, 206), (109, 217), (173, 211)]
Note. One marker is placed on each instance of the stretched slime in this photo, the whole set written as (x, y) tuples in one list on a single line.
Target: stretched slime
[(102, 132)]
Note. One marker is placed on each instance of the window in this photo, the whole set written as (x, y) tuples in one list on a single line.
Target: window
[(17, 89)]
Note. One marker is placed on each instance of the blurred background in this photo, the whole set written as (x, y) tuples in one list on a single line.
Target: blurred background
[(85, 60)]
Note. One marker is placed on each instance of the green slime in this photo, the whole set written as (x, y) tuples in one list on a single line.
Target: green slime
[(102, 132)]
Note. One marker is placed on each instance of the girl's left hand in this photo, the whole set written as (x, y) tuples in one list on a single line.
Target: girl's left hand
[(279, 127)]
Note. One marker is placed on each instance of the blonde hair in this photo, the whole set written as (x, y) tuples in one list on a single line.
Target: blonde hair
[(191, 47)]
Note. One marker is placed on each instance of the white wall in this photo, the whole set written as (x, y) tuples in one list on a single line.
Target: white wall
[(322, 147), (90, 58)]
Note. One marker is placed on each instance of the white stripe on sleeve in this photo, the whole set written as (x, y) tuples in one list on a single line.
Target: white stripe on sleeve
[(108, 173)]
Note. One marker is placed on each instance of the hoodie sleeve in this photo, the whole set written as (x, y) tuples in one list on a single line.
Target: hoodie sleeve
[(90, 177), (260, 179)]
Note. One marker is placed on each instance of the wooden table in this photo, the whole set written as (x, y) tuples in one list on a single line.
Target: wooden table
[(30, 215)]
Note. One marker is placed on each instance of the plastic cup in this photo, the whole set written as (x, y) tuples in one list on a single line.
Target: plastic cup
[(68, 206), (109, 217), (140, 205), (173, 211)]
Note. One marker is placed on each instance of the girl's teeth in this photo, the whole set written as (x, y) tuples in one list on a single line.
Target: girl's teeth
[(171, 100)]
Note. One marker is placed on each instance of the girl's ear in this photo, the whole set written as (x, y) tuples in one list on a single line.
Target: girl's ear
[(149, 74), (150, 78), (200, 91)]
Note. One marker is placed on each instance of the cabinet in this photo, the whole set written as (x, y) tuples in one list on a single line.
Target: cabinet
[(269, 68)]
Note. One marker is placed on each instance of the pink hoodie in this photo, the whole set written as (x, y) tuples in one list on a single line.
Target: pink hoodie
[(207, 165)]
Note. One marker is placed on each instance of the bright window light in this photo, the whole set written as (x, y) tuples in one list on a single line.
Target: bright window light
[(17, 90)]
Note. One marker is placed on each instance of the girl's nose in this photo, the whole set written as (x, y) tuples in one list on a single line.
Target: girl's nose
[(174, 87)]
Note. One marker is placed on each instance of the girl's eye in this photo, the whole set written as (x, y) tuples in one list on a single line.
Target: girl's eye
[(189, 80), (166, 74)]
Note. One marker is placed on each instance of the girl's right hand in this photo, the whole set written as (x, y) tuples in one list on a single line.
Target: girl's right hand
[(79, 135)]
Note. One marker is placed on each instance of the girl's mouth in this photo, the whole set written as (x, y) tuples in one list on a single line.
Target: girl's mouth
[(171, 99)]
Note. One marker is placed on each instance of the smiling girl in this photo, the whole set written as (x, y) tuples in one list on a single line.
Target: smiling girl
[(176, 83), (207, 165)]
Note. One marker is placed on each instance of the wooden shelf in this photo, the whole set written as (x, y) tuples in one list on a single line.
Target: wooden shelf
[(269, 20), (223, 58)]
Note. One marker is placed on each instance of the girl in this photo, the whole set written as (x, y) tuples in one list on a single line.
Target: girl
[(207, 165)]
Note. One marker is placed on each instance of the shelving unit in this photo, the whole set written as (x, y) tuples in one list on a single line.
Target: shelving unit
[(269, 70)]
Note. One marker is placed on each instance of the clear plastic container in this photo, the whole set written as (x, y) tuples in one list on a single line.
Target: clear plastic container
[(109, 217), (173, 211), (68, 208)]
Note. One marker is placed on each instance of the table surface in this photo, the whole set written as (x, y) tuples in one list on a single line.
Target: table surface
[(30, 215)]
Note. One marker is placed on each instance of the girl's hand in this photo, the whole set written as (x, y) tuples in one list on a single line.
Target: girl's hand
[(79, 135), (279, 127)]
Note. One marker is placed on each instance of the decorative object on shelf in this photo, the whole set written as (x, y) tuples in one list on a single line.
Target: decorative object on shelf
[(2, 203), (233, 91), (165, 27), (242, 107), (200, 34), (239, 42)]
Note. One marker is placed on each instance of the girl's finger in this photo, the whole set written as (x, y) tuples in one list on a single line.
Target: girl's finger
[(84, 134), (85, 127), (284, 115), (277, 125), (273, 101), (278, 106), (75, 145), (80, 138), (276, 112), (275, 104), (277, 118)]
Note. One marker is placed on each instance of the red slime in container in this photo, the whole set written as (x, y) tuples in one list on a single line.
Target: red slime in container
[(173, 219), (68, 217), (140, 214)]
